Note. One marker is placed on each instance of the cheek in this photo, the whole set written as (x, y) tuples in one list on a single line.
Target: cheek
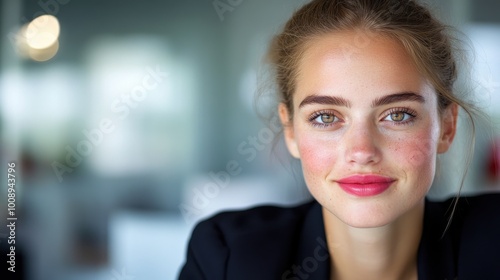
[(317, 155), (415, 153)]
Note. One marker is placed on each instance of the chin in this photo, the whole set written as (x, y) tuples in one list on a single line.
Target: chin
[(364, 216), (368, 222), (364, 223)]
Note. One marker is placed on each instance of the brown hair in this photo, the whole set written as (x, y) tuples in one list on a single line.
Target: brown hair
[(424, 38)]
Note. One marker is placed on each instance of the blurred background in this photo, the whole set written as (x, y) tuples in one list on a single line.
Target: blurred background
[(129, 121)]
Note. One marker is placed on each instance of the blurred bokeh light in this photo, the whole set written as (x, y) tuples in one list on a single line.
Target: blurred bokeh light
[(38, 39)]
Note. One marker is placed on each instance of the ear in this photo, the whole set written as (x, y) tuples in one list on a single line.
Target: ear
[(448, 128), (288, 132)]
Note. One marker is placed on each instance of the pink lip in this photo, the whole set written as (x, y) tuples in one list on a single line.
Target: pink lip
[(365, 185)]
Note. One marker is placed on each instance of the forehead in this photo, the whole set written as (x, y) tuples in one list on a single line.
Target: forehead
[(356, 64)]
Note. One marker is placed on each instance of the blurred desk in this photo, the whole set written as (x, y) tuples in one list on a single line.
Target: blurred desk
[(147, 245)]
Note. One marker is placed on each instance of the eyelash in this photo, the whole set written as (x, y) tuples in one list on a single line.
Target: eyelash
[(403, 110), (317, 114)]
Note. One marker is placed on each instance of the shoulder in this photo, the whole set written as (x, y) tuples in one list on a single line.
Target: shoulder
[(232, 240), (480, 232), (469, 211), (482, 204), (258, 219), (475, 231), (472, 216), (479, 245), (466, 207)]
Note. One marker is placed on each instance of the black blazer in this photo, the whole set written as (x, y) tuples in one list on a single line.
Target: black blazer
[(289, 243)]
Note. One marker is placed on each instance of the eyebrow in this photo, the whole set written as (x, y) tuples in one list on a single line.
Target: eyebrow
[(398, 97), (384, 100), (325, 100)]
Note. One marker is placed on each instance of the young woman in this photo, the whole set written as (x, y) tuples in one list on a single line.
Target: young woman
[(367, 104)]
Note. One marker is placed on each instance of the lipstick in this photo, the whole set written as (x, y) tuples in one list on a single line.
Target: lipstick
[(365, 185)]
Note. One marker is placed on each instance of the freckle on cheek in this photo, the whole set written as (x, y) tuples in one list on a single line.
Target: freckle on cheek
[(419, 151)]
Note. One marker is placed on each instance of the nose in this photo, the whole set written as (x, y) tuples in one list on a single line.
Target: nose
[(362, 144)]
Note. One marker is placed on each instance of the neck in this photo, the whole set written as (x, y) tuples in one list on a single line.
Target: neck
[(386, 252)]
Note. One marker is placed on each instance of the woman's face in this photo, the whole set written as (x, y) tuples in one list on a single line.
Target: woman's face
[(366, 128)]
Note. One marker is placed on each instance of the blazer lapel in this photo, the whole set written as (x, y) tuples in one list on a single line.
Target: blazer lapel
[(312, 261)]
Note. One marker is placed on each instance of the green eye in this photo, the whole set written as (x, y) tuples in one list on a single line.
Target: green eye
[(399, 116), (324, 119), (327, 118)]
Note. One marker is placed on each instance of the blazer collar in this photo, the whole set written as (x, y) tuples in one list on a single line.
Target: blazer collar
[(312, 261), (436, 257)]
